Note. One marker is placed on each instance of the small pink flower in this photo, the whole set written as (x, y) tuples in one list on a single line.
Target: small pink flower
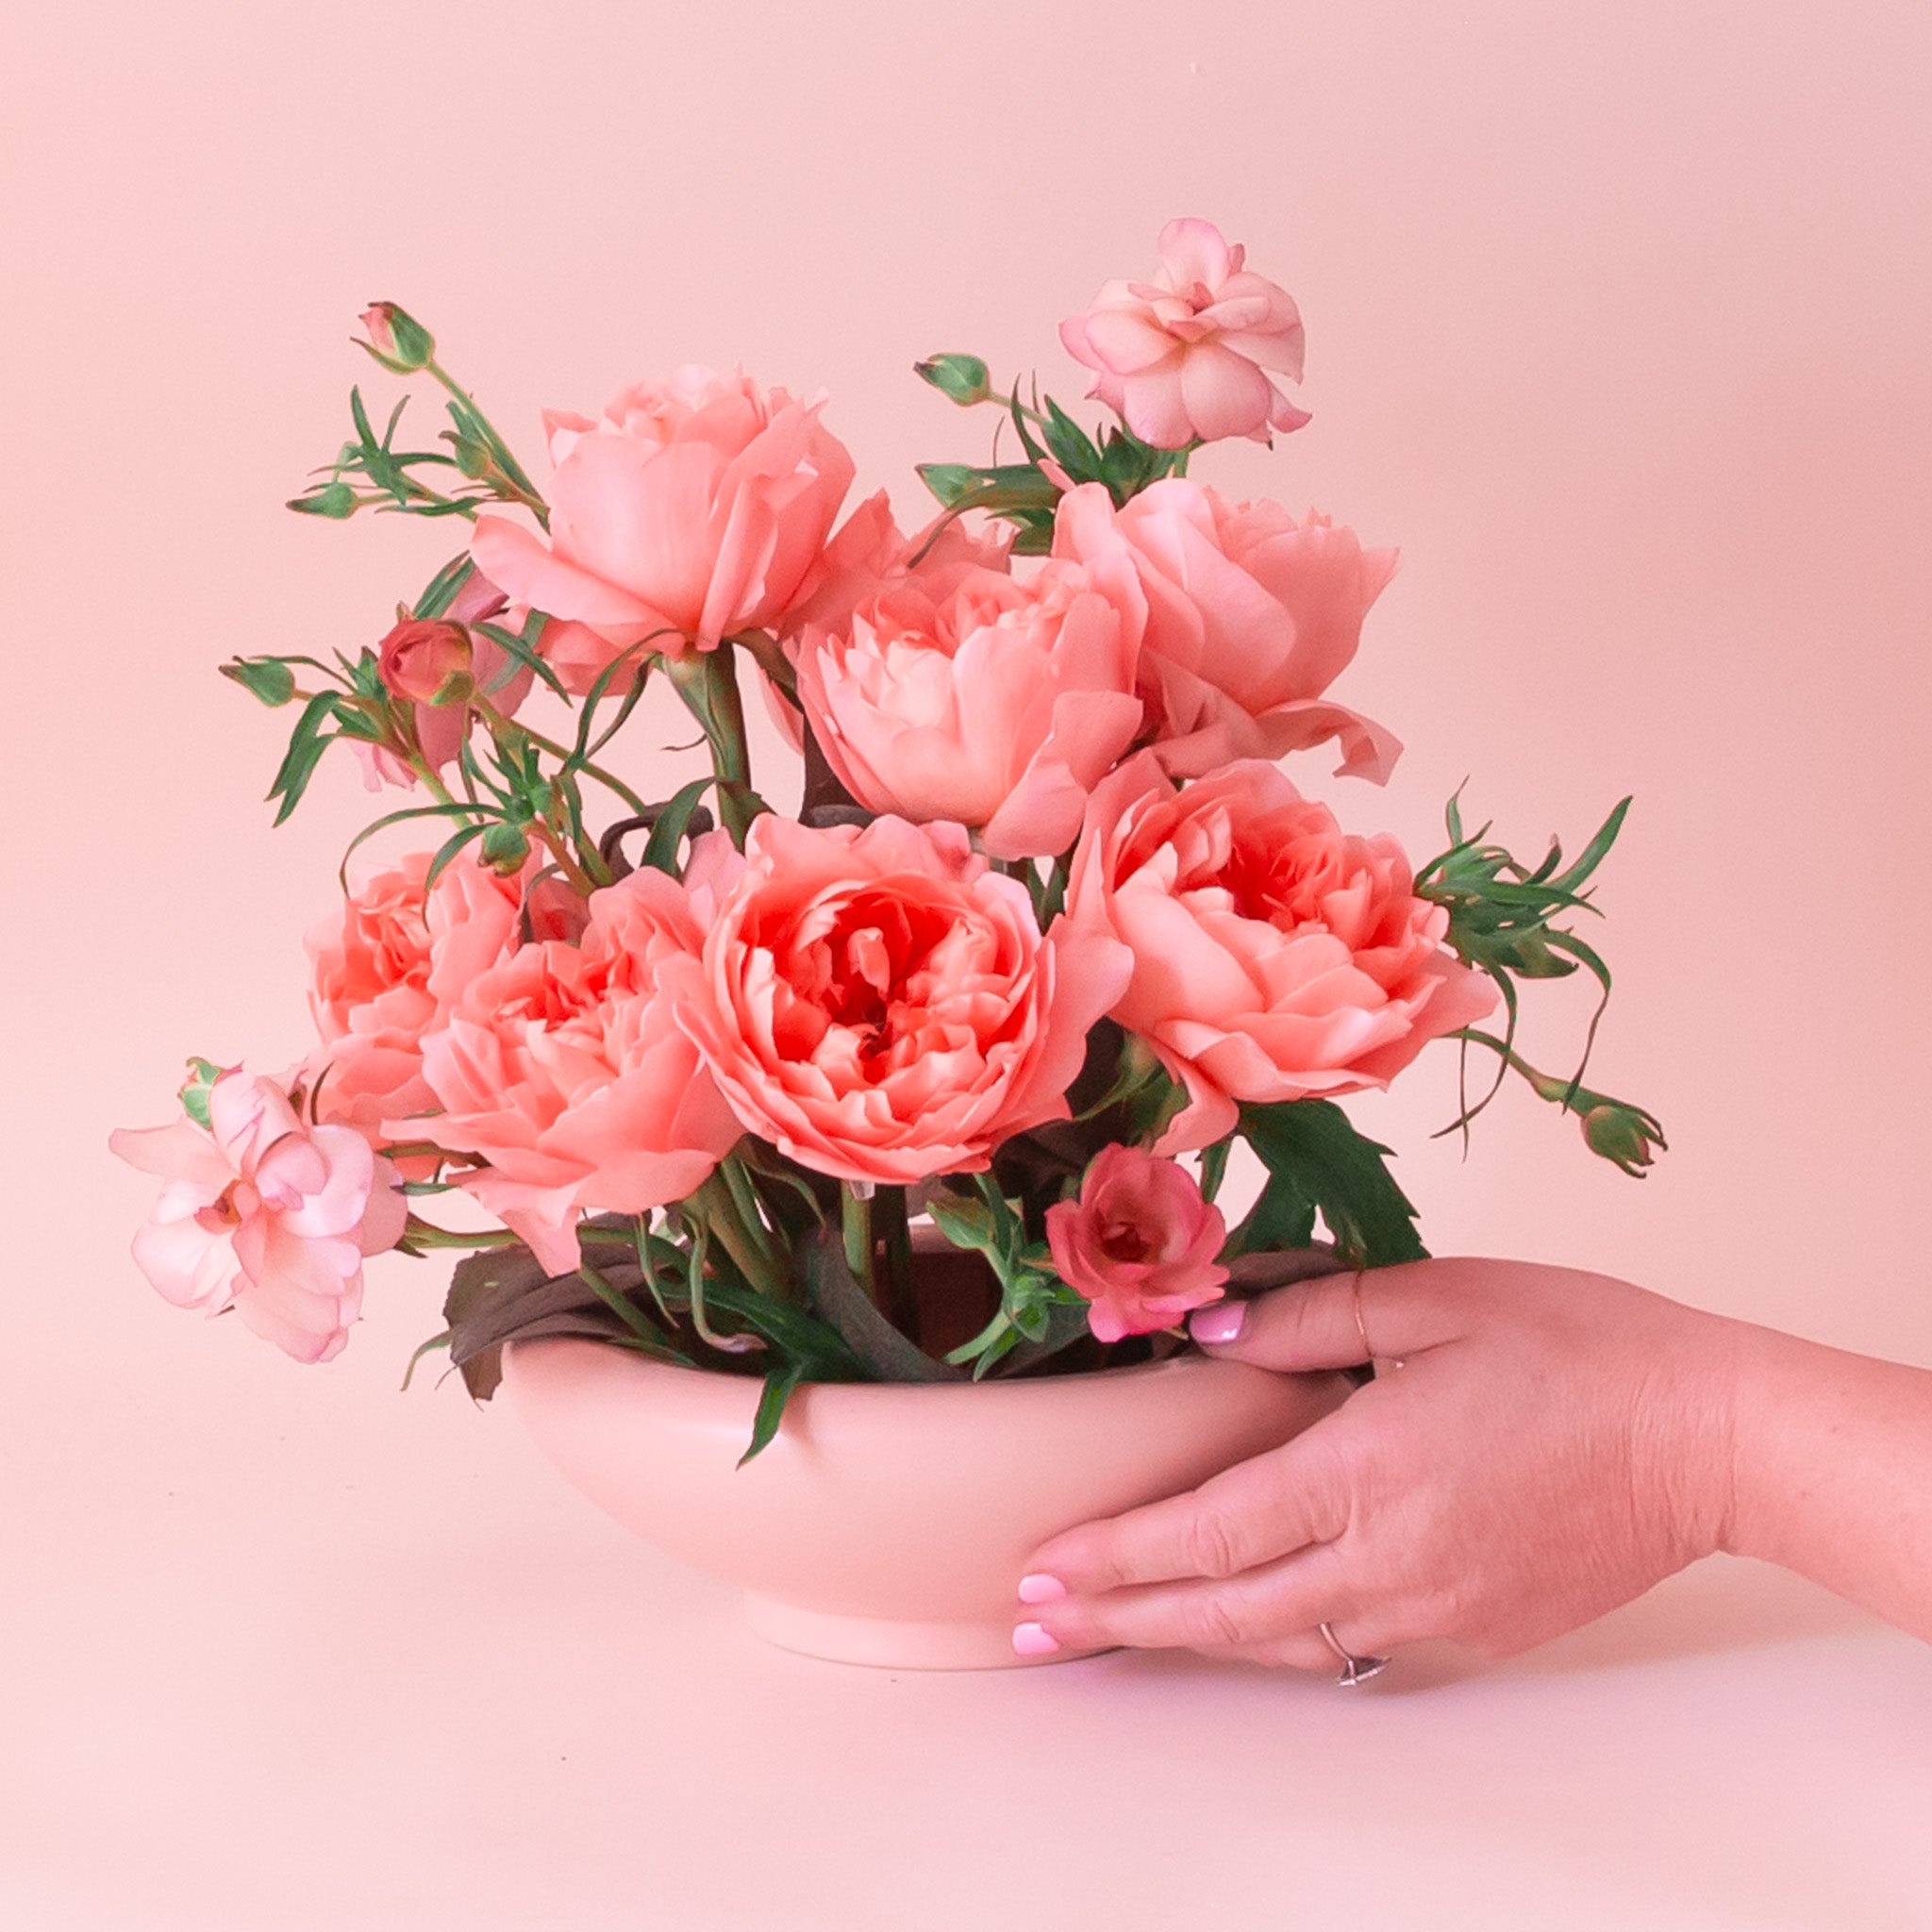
[(1140, 1244), (997, 702), (439, 667), (425, 660), (1275, 956), (1184, 358), (1250, 618), (699, 506), (882, 1005), (265, 1215), (561, 1066), (386, 968)]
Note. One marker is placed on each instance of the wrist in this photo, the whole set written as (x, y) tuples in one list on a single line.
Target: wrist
[(1697, 1448)]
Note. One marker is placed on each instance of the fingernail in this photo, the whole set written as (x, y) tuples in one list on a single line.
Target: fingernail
[(1041, 1590), (1222, 1323), (1031, 1639)]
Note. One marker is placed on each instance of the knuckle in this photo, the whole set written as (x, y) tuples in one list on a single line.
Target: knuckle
[(1212, 1545), (1214, 1621)]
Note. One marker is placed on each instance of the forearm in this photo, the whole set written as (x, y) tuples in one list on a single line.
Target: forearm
[(1833, 1471)]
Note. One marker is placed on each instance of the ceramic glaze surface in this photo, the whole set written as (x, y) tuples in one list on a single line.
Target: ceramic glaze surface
[(889, 1523)]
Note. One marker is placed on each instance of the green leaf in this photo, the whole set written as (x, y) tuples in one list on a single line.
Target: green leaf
[(1312, 1145), (267, 678), (519, 650), (668, 829), (778, 1389), (440, 591), (306, 743), (883, 1352)]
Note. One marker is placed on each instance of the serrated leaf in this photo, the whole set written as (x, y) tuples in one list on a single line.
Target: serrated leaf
[(1312, 1146)]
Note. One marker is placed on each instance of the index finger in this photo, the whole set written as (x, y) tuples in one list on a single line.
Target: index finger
[(1270, 1505)]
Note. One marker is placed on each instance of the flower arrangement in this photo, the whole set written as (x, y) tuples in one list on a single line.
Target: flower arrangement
[(1050, 932)]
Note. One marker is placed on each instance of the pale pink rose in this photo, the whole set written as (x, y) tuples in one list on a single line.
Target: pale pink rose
[(386, 968), (881, 1005), (999, 702), (698, 508), (1250, 618), (562, 1067), (1140, 1244), (1275, 956), (265, 1215), (1185, 357)]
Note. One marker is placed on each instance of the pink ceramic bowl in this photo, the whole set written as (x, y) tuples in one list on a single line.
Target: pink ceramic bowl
[(888, 1523)]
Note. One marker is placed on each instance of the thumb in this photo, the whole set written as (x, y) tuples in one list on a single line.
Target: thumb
[(1335, 1322)]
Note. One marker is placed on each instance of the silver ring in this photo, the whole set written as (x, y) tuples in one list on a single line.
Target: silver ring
[(1355, 1669)]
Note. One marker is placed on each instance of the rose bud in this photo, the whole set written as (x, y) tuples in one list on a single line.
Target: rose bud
[(426, 660), (1624, 1134), (396, 339)]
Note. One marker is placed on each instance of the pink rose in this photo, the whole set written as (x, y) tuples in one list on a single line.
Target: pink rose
[(1275, 956), (386, 968), (1182, 358), (1140, 1244), (425, 660), (699, 506), (265, 1215), (997, 702), (881, 1004), (561, 1066), (438, 666), (1250, 618)]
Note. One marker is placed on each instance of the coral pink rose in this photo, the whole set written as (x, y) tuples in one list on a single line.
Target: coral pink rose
[(1185, 357), (561, 1066), (1250, 618), (422, 659), (265, 1215), (1140, 1244), (698, 508), (999, 702), (386, 968), (1275, 956), (881, 1004)]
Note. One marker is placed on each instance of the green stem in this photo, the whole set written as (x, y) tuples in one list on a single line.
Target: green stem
[(857, 1215), (513, 472), (715, 1205), (895, 1236), (422, 1234), (496, 720)]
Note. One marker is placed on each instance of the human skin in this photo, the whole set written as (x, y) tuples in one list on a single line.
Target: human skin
[(1553, 1443)]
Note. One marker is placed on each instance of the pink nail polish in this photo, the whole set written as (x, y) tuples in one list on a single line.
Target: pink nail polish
[(1030, 1639), (1041, 1590), (1222, 1323)]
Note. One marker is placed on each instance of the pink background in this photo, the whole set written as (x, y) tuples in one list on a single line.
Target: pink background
[(1617, 326)]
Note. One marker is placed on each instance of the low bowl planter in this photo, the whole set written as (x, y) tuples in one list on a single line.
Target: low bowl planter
[(889, 1523)]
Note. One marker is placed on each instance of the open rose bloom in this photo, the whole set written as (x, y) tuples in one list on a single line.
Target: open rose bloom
[(1051, 931)]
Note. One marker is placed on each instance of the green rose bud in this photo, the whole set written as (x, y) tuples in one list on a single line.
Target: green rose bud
[(396, 339), (962, 377), (1624, 1134)]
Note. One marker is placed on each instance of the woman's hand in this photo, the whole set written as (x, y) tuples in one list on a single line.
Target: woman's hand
[(1552, 1444)]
